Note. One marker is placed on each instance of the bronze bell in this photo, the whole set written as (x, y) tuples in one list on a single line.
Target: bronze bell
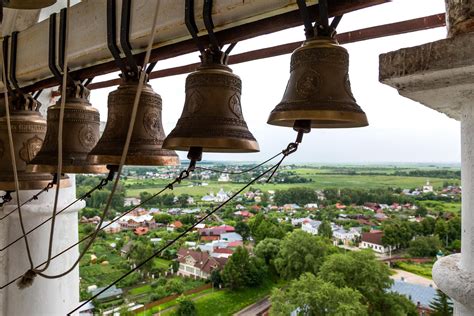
[(27, 4), (28, 129), (212, 114), (80, 134), (148, 134), (319, 89)]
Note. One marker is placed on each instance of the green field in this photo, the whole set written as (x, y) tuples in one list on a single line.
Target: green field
[(421, 269), (320, 181), (454, 207)]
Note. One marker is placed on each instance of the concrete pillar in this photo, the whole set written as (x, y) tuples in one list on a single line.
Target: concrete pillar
[(440, 75), (45, 296), (459, 16)]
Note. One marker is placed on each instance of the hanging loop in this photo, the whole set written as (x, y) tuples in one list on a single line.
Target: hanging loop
[(322, 26), (132, 66)]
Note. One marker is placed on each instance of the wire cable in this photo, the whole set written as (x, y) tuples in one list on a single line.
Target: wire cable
[(240, 172), (102, 184), (34, 197), (183, 175), (273, 168)]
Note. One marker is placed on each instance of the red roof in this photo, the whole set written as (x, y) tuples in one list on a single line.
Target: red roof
[(373, 237), (226, 228), (235, 243), (223, 250), (177, 224), (140, 231)]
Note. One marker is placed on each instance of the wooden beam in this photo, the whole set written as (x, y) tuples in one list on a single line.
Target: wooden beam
[(231, 34), (419, 24)]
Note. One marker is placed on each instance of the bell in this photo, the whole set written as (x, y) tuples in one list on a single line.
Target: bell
[(27, 4), (28, 129), (148, 134), (212, 114), (80, 134), (319, 90)]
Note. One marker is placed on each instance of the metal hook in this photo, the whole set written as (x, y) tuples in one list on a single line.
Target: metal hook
[(132, 66), (13, 53), (52, 48), (112, 34), (308, 23), (190, 22), (62, 45), (209, 24)]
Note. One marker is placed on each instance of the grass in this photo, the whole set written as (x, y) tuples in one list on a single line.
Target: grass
[(421, 269), (320, 181), (140, 290), (431, 205)]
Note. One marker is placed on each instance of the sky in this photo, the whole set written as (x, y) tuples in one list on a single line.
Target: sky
[(400, 130)]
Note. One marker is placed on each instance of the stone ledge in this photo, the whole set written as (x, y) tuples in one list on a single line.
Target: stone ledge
[(439, 75), (456, 283)]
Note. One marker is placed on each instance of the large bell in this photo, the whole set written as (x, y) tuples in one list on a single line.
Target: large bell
[(28, 4), (148, 134), (212, 115), (319, 89), (28, 131), (80, 134)]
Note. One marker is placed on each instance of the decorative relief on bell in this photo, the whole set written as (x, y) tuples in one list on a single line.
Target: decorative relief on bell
[(308, 84), (30, 148), (193, 100), (234, 104), (88, 137), (152, 123)]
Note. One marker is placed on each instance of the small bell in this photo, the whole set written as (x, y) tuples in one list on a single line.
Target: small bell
[(80, 134), (27, 4), (28, 129), (212, 115), (319, 89), (148, 134)]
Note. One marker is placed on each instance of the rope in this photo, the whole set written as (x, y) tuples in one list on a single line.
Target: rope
[(133, 116), (12, 154), (102, 184), (273, 169), (60, 146), (183, 175)]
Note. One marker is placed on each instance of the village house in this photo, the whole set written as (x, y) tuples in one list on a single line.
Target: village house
[(198, 264), (311, 226), (131, 201), (373, 240), (345, 237)]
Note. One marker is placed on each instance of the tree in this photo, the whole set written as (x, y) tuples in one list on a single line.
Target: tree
[(268, 249), (325, 229), (243, 229), (174, 286), (441, 304), (163, 218), (261, 228), (301, 252), (424, 246), (313, 296), (241, 270), (428, 224), (139, 252), (216, 277), (186, 307), (442, 230), (183, 200), (363, 272)]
